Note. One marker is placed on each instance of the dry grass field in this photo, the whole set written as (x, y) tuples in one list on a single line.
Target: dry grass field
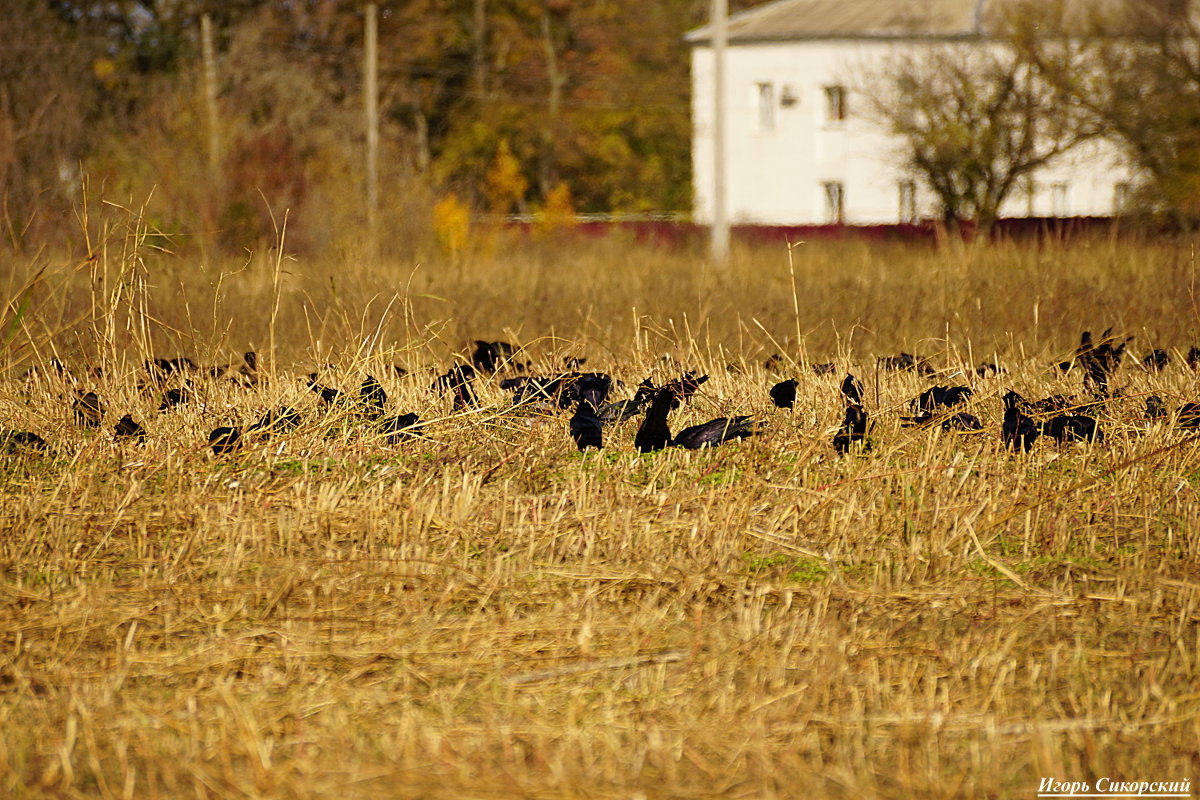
[(484, 612)]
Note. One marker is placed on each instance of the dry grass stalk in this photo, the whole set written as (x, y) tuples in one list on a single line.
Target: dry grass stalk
[(483, 611)]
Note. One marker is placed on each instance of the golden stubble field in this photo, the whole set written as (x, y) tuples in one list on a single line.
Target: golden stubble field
[(485, 612)]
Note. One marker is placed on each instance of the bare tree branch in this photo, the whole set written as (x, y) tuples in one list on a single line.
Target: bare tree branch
[(974, 120), (1133, 67)]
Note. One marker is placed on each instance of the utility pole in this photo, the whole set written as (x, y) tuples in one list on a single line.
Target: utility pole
[(720, 217), (208, 56), (371, 104)]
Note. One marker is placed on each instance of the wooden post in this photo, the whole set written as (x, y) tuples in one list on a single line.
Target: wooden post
[(556, 80), (208, 56), (720, 217), (479, 49), (371, 105)]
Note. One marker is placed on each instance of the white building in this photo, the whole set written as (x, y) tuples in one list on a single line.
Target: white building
[(800, 151)]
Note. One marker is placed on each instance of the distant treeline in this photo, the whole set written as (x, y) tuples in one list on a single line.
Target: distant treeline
[(509, 105)]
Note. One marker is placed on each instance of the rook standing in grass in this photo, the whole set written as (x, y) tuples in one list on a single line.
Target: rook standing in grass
[(783, 394), (653, 434), (855, 420), (586, 428)]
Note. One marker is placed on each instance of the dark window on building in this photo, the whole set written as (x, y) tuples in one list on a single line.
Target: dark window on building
[(908, 201), (835, 202), (835, 103), (766, 106)]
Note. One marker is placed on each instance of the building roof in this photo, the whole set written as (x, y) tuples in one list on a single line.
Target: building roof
[(790, 20)]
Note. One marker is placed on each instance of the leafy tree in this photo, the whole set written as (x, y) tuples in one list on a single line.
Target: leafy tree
[(975, 121), (50, 82), (1134, 68), (580, 100), (592, 99), (506, 186)]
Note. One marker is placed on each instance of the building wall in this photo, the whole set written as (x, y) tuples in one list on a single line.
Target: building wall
[(781, 158)]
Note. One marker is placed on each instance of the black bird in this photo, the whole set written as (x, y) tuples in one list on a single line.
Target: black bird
[(88, 410), (681, 389), (1047, 405), (783, 394), (1100, 361), (280, 420), (457, 382), (175, 396), (1014, 400), (1086, 346), (565, 390), (645, 391), (713, 432), (536, 389), (905, 361), (248, 371), (514, 384), (225, 440), (591, 387), (934, 402), (13, 441), (156, 370), (1018, 430), (653, 434), (852, 390), (853, 430), (1051, 404), (1156, 360), (586, 428), (328, 395), (490, 356), (53, 368), (937, 397), (684, 387), (1189, 416), (962, 421), (400, 427), (1072, 428), (372, 398), (160, 369), (622, 410), (127, 427), (1193, 357), (1155, 408)]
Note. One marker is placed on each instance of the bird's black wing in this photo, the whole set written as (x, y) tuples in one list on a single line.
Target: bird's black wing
[(714, 432), (398, 427)]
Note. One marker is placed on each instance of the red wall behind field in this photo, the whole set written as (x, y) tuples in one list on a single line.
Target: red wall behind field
[(672, 233)]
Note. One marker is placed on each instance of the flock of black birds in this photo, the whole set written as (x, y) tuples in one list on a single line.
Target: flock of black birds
[(587, 396)]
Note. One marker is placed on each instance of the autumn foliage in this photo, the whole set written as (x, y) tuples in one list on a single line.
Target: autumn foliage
[(511, 106)]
